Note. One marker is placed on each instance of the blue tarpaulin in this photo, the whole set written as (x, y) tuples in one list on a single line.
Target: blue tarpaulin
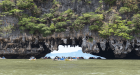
[(62, 59)]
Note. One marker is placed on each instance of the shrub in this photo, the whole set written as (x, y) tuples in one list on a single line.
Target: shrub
[(60, 30), (136, 22), (124, 10), (87, 18), (48, 15), (22, 4), (16, 11), (132, 4), (35, 11), (96, 26), (7, 5), (52, 27), (60, 24), (118, 27)]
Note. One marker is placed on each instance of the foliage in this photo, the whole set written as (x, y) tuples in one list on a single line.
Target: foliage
[(30, 23), (59, 21), (60, 30), (6, 13), (29, 4), (86, 19), (22, 4), (6, 29), (136, 22), (99, 9), (68, 12), (52, 27), (22, 15), (7, 5), (89, 2), (27, 23), (132, 4), (60, 24), (118, 27), (56, 21), (96, 26), (104, 32), (55, 2), (124, 10), (48, 16), (15, 11), (35, 10)]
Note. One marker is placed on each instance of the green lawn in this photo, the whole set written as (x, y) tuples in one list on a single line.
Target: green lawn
[(79, 67)]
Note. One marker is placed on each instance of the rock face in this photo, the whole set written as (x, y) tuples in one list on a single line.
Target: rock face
[(24, 45)]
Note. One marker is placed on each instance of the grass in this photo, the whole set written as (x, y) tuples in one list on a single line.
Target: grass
[(80, 67)]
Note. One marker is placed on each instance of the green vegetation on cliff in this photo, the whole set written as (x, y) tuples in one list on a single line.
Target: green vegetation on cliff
[(124, 10), (118, 27), (56, 21), (136, 23)]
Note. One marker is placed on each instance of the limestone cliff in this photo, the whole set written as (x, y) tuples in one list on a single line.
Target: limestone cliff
[(17, 43)]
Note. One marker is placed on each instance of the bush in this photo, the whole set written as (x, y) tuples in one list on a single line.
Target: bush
[(60, 24), (7, 5), (136, 22), (22, 4), (124, 10), (60, 30), (52, 27), (16, 11), (96, 27), (118, 27), (87, 18)]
